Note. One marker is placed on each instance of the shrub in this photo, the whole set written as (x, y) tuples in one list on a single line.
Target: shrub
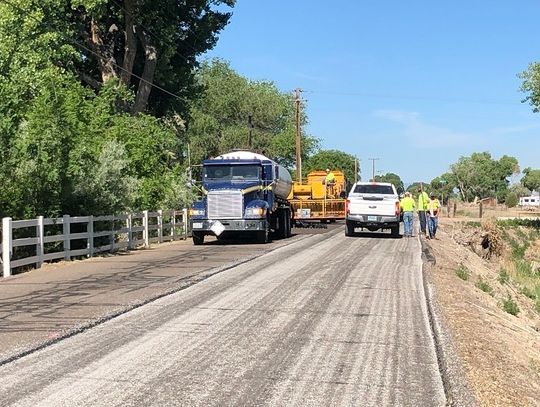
[(527, 292), (510, 306), (511, 200), (503, 276), (484, 286), (462, 272)]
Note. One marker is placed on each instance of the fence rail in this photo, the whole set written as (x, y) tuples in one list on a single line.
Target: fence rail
[(35, 241)]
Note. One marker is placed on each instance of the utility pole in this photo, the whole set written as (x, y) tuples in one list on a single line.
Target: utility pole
[(373, 172), (250, 134), (298, 137)]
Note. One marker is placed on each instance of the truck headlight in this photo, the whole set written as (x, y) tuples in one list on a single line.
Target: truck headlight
[(196, 212), (255, 212)]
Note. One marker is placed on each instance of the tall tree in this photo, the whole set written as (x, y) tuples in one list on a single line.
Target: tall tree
[(531, 179), (531, 85), (137, 42), (481, 176), (220, 119), (392, 178), (333, 160)]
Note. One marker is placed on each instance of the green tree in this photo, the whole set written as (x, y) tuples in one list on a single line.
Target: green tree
[(219, 119), (531, 179), (392, 178), (333, 160), (137, 42), (531, 85), (481, 176), (511, 199)]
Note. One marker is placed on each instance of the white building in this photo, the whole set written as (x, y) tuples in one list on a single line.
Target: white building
[(532, 200)]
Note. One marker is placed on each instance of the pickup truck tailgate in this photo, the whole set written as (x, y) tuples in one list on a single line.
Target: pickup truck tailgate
[(379, 205)]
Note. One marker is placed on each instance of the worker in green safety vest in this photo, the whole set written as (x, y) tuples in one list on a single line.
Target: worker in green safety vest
[(423, 200), (407, 207)]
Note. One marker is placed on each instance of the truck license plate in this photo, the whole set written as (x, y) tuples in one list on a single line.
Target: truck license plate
[(197, 225), (372, 218)]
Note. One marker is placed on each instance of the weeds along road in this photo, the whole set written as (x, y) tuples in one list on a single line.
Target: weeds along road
[(324, 321)]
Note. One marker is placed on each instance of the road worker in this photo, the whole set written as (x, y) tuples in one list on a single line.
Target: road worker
[(433, 210), (407, 207), (330, 181), (423, 200)]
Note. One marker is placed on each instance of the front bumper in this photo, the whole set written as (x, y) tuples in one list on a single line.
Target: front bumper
[(373, 220), (229, 225)]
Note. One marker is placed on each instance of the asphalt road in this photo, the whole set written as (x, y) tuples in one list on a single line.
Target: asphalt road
[(324, 321)]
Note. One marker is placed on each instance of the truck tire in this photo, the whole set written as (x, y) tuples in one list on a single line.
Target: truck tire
[(198, 238), (282, 224), (395, 231), (289, 222), (263, 236), (349, 228)]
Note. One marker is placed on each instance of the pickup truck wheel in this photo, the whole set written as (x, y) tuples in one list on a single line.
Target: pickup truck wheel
[(349, 228), (395, 231), (198, 238)]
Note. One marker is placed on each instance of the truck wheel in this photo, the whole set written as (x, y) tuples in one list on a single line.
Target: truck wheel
[(282, 224), (349, 228), (289, 222), (395, 231), (263, 236), (198, 238)]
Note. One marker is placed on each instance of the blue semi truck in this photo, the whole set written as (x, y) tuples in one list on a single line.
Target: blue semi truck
[(243, 192)]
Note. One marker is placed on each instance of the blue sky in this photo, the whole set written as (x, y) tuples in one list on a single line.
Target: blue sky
[(416, 84)]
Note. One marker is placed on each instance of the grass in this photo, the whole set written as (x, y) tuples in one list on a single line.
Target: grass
[(510, 306), (503, 277), (484, 286), (527, 292), (463, 272)]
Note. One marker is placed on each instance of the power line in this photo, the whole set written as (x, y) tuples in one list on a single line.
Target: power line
[(410, 97)]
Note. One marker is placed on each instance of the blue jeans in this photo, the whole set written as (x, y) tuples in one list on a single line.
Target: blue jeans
[(407, 223), (433, 222), (422, 219)]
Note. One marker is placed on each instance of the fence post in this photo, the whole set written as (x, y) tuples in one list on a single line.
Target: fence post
[(129, 225), (40, 249), (66, 219), (146, 232), (112, 235), (481, 210), (173, 225), (7, 246), (454, 210), (185, 222), (90, 231), (160, 225)]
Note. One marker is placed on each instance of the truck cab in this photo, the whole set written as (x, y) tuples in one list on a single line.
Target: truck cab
[(243, 192)]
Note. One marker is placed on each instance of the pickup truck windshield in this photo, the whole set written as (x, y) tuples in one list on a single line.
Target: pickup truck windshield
[(374, 189), (232, 172)]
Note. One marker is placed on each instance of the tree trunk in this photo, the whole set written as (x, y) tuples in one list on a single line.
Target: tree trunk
[(130, 50), (145, 84), (104, 55)]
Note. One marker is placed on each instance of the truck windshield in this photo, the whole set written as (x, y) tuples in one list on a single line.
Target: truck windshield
[(374, 189), (232, 172)]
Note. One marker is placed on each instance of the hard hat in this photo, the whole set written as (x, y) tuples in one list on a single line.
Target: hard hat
[(327, 170)]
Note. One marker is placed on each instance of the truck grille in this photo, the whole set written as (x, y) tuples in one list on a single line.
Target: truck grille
[(225, 205)]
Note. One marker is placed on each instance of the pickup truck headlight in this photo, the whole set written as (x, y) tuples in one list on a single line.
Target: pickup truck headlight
[(255, 212), (196, 212)]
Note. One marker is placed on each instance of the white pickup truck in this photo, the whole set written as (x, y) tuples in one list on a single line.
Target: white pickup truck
[(374, 206)]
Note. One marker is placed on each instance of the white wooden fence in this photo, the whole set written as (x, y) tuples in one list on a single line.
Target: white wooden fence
[(51, 238)]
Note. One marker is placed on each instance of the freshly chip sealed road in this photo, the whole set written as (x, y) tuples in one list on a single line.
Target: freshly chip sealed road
[(324, 321)]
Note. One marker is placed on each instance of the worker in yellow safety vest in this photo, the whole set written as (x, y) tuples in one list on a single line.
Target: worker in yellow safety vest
[(433, 210), (407, 207), (330, 181), (423, 200)]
